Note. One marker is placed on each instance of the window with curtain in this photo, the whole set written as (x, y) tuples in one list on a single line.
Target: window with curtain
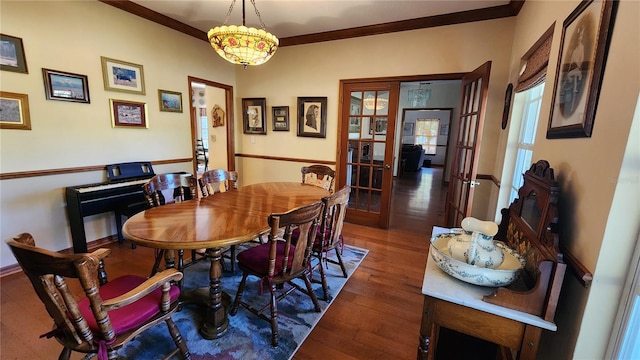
[(427, 134)]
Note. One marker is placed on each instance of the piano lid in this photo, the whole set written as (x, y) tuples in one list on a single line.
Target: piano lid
[(130, 170)]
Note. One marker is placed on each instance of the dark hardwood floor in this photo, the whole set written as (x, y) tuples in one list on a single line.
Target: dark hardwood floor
[(376, 316)]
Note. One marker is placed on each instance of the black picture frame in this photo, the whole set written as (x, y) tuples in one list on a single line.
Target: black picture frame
[(507, 106), (12, 51), (253, 116), (586, 34), (280, 118), (312, 117), (66, 86)]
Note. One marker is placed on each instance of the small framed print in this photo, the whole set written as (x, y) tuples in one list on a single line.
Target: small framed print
[(170, 101), (64, 86), (407, 130), (253, 116), (14, 111), (312, 117), (379, 125), (280, 118), (122, 76), (12, 54), (128, 114)]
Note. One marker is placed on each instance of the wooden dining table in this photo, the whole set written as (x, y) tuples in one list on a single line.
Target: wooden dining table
[(213, 223)]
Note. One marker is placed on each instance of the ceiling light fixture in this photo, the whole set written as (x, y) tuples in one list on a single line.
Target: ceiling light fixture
[(243, 45)]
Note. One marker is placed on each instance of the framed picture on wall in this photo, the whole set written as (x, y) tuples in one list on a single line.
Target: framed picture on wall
[(64, 86), (586, 34), (170, 101), (122, 76), (128, 114), (14, 111), (253, 116), (280, 118), (12, 54), (379, 125), (312, 117), (407, 130)]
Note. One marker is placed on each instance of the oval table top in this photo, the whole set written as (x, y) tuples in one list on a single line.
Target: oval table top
[(220, 220)]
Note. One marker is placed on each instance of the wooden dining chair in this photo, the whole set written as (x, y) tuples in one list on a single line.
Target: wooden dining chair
[(318, 175), (106, 315), (165, 189), (278, 262), (216, 181), (329, 237)]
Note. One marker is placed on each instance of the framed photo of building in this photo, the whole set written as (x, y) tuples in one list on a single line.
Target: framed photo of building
[(312, 117), (280, 118)]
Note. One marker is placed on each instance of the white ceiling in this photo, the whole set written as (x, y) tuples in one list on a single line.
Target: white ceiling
[(287, 18)]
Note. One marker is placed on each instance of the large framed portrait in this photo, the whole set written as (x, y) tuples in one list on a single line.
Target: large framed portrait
[(586, 34), (12, 54), (122, 76), (14, 111), (128, 114), (280, 118), (312, 117), (253, 116), (64, 86)]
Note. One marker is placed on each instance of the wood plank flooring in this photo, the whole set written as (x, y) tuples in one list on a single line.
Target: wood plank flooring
[(376, 316)]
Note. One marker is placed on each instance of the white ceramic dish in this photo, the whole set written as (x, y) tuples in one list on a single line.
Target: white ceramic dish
[(503, 275)]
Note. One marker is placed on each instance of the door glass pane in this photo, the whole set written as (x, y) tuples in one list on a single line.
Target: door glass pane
[(382, 103), (369, 103), (354, 126), (356, 103)]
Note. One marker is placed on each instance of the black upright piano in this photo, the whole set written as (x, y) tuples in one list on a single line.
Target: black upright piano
[(121, 193)]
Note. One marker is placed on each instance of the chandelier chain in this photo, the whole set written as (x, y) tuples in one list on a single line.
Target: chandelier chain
[(226, 18), (253, 2)]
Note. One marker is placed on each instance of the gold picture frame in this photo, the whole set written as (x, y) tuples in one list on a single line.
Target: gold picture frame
[(122, 76), (170, 101), (15, 111)]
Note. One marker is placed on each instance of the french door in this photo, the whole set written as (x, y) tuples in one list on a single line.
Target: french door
[(465, 159), (366, 153)]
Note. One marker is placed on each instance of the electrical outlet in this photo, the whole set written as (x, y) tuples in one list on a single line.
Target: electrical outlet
[(253, 139)]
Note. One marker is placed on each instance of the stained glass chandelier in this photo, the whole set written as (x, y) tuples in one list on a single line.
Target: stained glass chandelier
[(243, 45)]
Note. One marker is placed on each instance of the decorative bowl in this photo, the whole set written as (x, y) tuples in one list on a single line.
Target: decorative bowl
[(502, 275)]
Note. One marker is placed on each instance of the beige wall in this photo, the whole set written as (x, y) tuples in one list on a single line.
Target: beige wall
[(316, 69), (68, 135), (587, 170), (71, 36)]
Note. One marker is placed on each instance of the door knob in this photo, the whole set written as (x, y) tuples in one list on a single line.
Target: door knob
[(387, 166)]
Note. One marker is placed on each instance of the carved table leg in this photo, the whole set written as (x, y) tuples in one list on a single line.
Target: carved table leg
[(215, 322), (428, 331)]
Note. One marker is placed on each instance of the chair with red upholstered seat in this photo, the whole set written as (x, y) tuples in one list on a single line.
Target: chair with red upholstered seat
[(278, 261), (109, 315), (329, 236)]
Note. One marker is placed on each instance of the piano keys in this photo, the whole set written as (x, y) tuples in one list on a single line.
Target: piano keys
[(122, 194)]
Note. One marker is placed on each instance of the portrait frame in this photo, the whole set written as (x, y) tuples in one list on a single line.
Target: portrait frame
[(217, 116), (12, 51), (407, 129), (379, 124), (14, 112), (122, 76), (170, 101), (253, 116), (280, 118), (128, 114), (65, 86), (310, 105), (586, 34)]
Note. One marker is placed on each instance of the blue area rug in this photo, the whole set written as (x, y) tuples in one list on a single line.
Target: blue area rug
[(248, 336)]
